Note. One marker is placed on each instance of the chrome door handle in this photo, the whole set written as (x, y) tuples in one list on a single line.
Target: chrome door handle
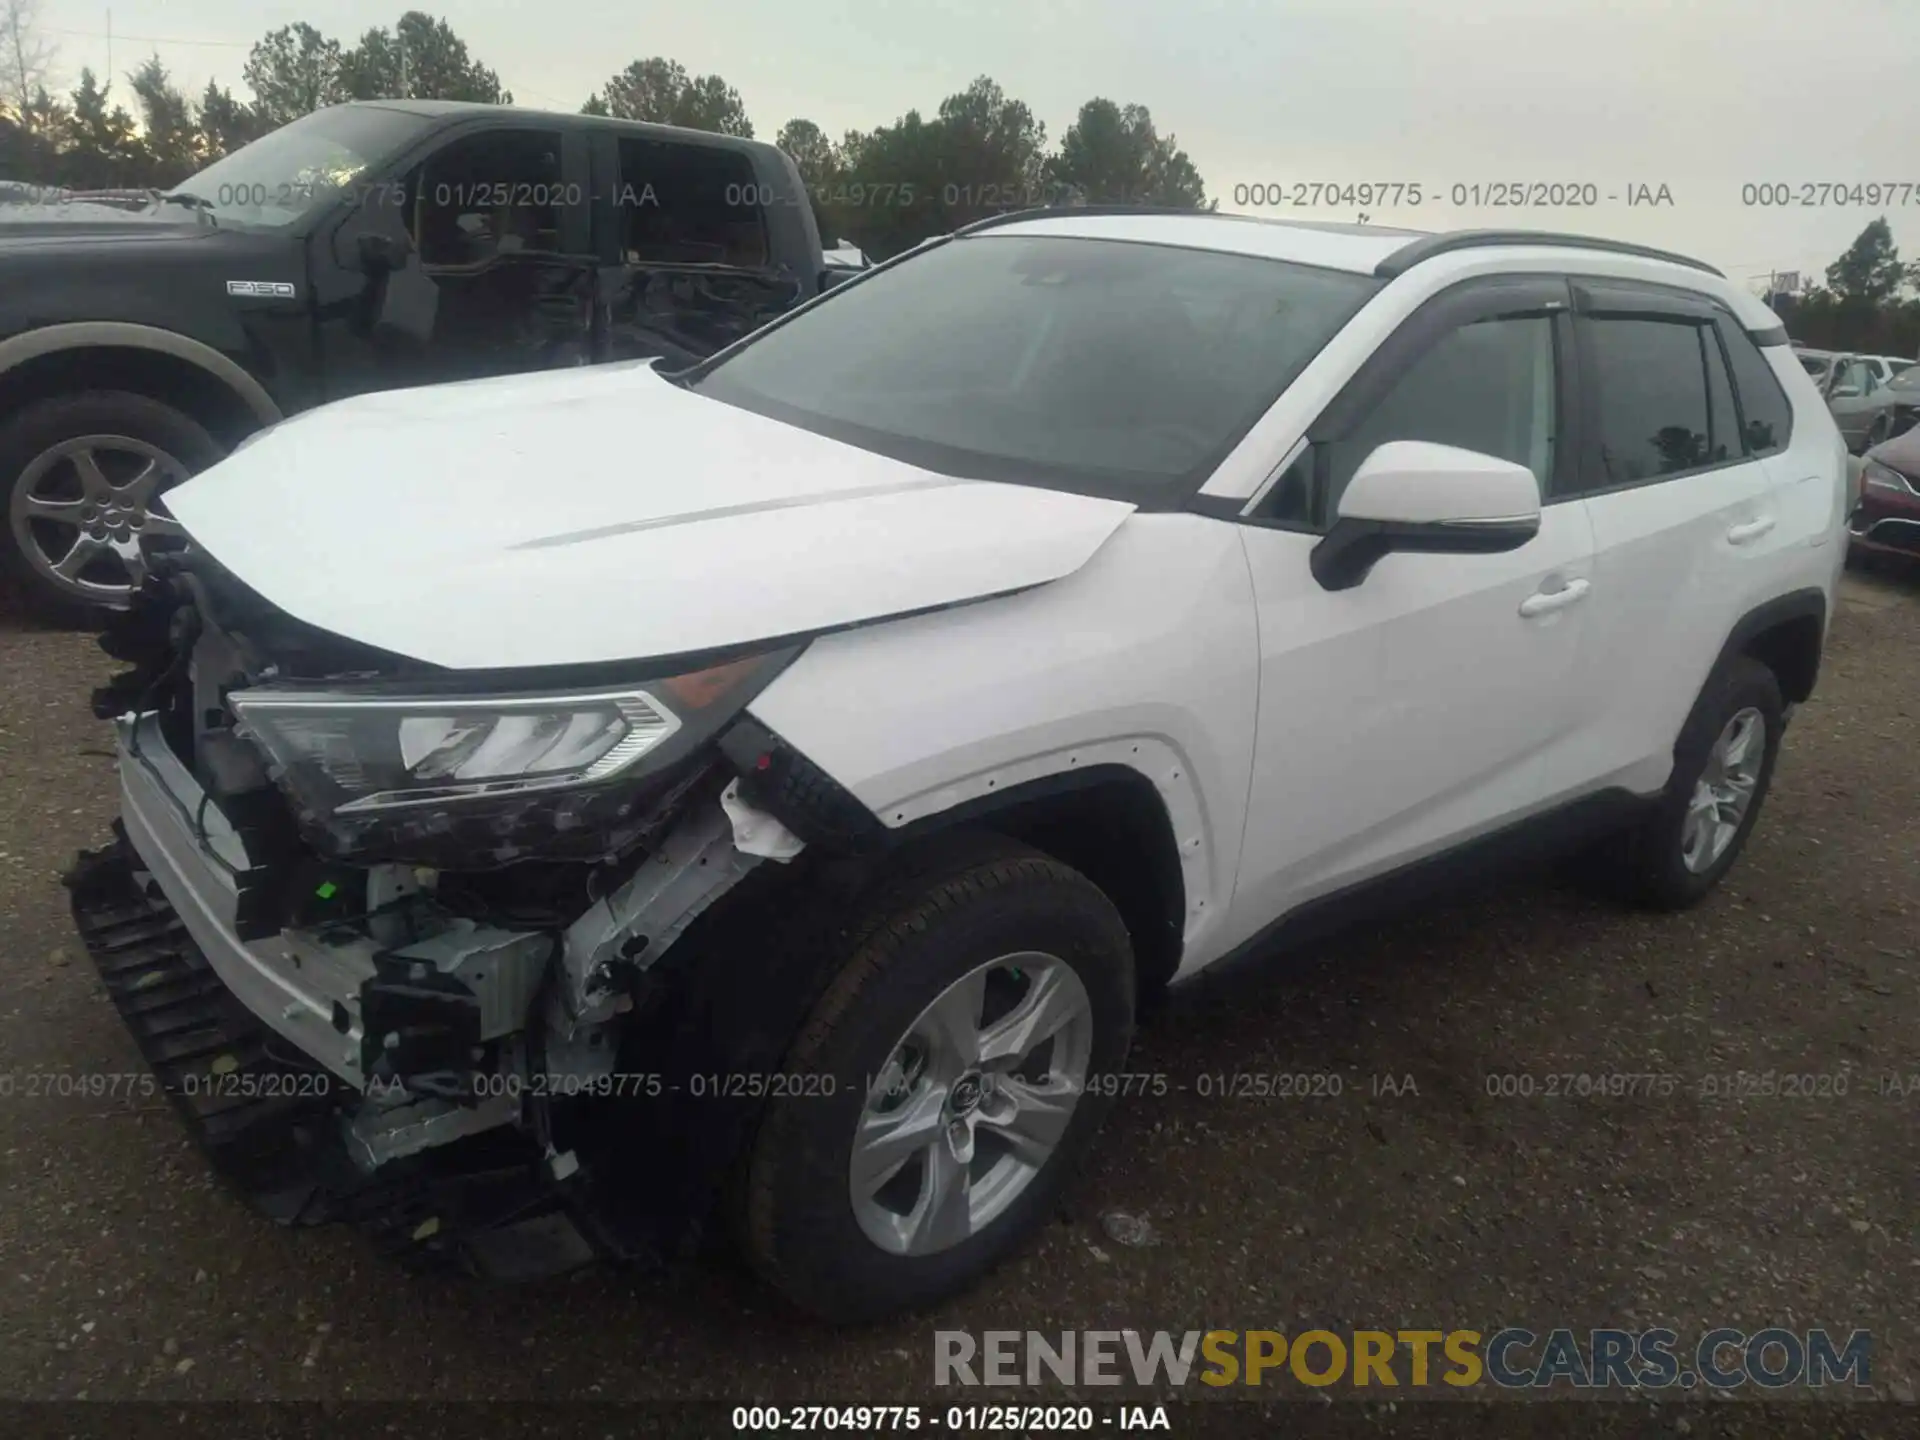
[(1545, 601), (1752, 530)]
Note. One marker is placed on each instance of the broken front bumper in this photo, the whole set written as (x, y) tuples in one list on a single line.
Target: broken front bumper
[(259, 1046)]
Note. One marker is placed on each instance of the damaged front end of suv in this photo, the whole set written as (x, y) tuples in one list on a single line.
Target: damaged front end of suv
[(397, 940)]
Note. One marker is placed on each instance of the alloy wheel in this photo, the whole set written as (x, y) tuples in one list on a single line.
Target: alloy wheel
[(972, 1103), (1724, 792), (86, 511)]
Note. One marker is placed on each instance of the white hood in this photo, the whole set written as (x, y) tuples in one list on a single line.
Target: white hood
[(602, 513)]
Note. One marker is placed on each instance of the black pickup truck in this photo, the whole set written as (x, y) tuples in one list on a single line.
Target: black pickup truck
[(363, 247)]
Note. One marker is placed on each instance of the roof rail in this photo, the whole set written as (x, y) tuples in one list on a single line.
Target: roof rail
[(1408, 256), (1041, 212)]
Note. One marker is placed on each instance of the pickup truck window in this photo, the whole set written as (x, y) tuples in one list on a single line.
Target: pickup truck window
[(689, 205), (493, 193), (1106, 367), (297, 169)]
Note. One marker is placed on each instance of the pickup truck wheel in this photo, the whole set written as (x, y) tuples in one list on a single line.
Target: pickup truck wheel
[(938, 1100), (1722, 767), (84, 475)]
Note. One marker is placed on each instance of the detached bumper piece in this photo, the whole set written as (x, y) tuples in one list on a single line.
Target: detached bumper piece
[(273, 1123)]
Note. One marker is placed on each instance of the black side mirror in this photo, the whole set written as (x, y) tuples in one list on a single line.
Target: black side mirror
[(381, 252)]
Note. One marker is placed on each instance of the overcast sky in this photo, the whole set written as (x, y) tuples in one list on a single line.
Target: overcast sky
[(1701, 96)]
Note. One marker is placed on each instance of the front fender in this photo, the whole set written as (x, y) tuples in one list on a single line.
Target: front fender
[(1145, 658)]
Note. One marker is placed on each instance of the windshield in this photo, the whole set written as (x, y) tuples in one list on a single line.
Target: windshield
[(300, 167), (1816, 365), (1108, 367)]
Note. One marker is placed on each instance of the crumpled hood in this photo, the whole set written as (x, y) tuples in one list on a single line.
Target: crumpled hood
[(603, 513)]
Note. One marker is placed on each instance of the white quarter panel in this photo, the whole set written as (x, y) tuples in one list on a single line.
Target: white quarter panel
[(1811, 473), (1146, 657)]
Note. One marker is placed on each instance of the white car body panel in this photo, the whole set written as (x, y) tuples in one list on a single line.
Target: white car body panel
[(1107, 666), (1802, 474), (603, 513), (1401, 716), (1669, 586)]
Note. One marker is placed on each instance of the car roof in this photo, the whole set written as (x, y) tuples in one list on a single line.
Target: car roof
[(439, 109), (1372, 249), (1357, 248)]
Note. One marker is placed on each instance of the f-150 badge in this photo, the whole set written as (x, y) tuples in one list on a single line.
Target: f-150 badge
[(265, 289)]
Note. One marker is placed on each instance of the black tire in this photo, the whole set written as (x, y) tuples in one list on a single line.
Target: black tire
[(793, 1215), (1645, 864), (46, 423)]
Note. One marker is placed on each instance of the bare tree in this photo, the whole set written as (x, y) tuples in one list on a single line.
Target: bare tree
[(26, 55)]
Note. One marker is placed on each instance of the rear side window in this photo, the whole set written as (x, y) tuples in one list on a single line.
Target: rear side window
[(1766, 419), (688, 205), (1652, 411)]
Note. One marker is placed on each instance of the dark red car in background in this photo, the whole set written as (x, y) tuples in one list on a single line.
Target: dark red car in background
[(1887, 519)]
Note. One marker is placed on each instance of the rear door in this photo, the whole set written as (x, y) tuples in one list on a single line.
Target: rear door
[(1686, 522)]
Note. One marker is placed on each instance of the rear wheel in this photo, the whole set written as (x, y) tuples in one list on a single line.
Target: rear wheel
[(938, 1099), (1723, 765), (85, 478)]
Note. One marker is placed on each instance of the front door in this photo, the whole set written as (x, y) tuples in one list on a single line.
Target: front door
[(1428, 704), (487, 268)]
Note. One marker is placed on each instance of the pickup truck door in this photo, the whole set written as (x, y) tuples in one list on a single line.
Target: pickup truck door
[(471, 259), (698, 245)]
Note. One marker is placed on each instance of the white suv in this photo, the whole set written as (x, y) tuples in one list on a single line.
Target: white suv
[(562, 808)]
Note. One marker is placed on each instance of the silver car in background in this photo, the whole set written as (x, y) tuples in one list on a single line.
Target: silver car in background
[(1856, 391)]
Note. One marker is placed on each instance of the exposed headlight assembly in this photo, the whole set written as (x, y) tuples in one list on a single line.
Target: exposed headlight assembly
[(383, 754), (373, 761)]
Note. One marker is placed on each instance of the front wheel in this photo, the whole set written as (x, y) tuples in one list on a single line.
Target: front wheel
[(944, 1088), (84, 478)]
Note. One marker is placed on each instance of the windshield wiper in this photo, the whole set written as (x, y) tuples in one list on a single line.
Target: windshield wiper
[(197, 203)]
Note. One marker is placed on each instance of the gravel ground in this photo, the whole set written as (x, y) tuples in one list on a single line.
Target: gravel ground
[(127, 1273)]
